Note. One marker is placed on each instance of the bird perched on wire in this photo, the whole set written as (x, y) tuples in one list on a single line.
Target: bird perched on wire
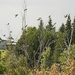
[(39, 18), (16, 15)]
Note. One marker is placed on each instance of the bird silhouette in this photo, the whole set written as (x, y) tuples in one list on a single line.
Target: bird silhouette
[(65, 16), (16, 15), (39, 18), (25, 9), (8, 24), (4, 35), (10, 31), (54, 23)]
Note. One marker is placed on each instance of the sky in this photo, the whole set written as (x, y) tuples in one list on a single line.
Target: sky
[(35, 9)]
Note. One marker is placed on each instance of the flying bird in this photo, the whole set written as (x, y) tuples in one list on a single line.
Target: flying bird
[(4, 35), (25, 9), (65, 16), (39, 18), (54, 23), (16, 15), (10, 31), (8, 24)]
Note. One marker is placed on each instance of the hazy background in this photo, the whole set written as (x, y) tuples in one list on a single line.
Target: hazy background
[(35, 9)]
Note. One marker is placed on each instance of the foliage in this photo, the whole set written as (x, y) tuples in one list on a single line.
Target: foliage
[(45, 60), (45, 45), (50, 26), (62, 28), (63, 56), (59, 46), (73, 39), (0, 39), (68, 29), (3, 53), (16, 65), (2, 68)]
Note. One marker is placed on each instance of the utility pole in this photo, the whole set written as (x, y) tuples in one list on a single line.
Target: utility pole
[(24, 33), (24, 17)]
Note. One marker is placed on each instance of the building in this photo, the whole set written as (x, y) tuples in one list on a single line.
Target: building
[(3, 44)]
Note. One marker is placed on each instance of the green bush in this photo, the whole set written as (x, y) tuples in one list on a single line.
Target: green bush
[(46, 58), (2, 68)]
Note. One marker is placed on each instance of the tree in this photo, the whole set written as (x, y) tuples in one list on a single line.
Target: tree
[(16, 65), (68, 30), (2, 68), (50, 27), (62, 28), (73, 37), (46, 59), (21, 46), (59, 46), (63, 55), (49, 35), (33, 44), (41, 36), (0, 39), (69, 37)]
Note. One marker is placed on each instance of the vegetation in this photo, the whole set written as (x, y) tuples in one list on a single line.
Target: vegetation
[(42, 51)]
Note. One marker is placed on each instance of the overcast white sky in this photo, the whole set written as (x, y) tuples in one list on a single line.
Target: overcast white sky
[(36, 8)]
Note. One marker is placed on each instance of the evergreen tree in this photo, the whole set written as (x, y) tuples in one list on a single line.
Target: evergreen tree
[(41, 27), (50, 27), (62, 28), (59, 46), (50, 33), (68, 30), (41, 36), (73, 37), (41, 40), (21, 44), (31, 44)]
